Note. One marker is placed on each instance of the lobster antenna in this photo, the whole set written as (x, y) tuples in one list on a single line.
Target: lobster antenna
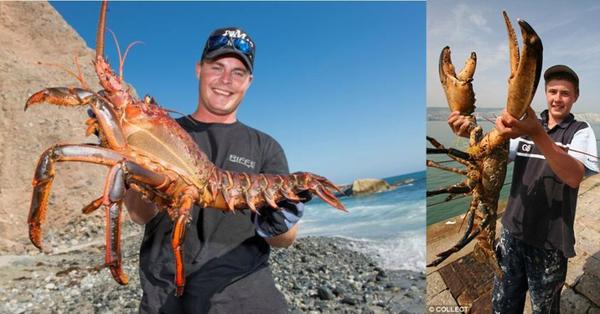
[(78, 77), (184, 115), (122, 61), (122, 57), (118, 52), (100, 30)]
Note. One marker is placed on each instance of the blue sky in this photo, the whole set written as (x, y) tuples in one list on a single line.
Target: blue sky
[(570, 33), (341, 85)]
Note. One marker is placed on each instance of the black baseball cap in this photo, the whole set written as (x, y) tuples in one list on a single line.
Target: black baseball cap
[(562, 71), (230, 41)]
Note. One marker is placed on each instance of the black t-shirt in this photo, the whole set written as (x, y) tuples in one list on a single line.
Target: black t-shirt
[(219, 247)]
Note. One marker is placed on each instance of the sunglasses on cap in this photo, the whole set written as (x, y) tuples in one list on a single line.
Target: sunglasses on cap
[(239, 44)]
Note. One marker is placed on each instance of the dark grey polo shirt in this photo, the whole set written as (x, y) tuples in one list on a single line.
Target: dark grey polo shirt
[(541, 208)]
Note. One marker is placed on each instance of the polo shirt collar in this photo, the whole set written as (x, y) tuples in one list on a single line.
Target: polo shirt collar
[(563, 124)]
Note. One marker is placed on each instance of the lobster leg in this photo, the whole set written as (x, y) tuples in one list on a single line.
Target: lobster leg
[(187, 200), (91, 207), (112, 199), (468, 236), (72, 97), (460, 188), (459, 156), (45, 172), (44, 176), (433, 164)]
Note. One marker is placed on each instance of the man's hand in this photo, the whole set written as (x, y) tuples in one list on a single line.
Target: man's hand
[(512, 127), (279, 227), (567, 168), (140, 211), (459, 124)]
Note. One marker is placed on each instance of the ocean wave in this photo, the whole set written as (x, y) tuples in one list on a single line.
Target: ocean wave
[(403, 251)]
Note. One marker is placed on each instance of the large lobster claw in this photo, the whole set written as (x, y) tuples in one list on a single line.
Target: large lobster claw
[(525, 69), (458, 88)]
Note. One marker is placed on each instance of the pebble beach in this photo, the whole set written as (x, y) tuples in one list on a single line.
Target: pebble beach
[(316, 275)]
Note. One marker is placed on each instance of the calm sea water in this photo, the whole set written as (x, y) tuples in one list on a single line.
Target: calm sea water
[(389, 226), (439, 210)]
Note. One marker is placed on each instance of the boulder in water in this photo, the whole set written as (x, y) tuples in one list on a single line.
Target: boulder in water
[(368, 186)]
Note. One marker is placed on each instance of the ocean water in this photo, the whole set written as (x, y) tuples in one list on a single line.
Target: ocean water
[(388, 226)]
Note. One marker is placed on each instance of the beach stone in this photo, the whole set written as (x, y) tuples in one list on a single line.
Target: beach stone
[(349, 300), (338, 291), (367, 310), (589, 285), (573, 303), (325, 294)]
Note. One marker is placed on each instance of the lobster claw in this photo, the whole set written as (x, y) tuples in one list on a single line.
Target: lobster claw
[(525, 69), (458, 88), (61, 96)]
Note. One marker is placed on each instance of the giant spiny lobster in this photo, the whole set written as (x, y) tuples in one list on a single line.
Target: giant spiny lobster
[(487, 156), (147, 151)]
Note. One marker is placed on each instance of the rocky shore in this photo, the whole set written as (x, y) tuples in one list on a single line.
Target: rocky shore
[(320, 274), (316, 275)]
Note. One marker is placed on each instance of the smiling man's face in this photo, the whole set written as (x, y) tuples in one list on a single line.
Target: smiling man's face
[(223, 84), (560, 97)]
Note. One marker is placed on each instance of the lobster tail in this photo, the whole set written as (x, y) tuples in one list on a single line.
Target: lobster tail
[(236, 190)]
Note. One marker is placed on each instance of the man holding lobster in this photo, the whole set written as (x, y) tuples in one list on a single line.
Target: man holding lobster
[(551, 157), (225, 254)]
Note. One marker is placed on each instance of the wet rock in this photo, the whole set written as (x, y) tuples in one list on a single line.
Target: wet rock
[(325, 294), (349, 300)]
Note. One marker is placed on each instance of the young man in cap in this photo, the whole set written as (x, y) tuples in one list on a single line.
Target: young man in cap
[(225, 254), (550, 162)]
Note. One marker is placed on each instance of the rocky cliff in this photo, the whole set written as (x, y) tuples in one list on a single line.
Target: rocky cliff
[(35, 42)]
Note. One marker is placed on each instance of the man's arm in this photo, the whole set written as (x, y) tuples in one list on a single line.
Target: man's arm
[(285, 239), (565, 166), (281, 225), (140, 211)]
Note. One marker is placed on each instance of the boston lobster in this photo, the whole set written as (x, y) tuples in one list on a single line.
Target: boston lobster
[(487, 156)]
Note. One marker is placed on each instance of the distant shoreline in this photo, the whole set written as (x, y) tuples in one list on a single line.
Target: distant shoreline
[(441, 114)]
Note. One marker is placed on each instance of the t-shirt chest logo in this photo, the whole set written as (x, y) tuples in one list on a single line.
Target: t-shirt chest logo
[(242, 161)]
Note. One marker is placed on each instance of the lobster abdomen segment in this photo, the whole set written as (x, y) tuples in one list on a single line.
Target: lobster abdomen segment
[(229, 190)]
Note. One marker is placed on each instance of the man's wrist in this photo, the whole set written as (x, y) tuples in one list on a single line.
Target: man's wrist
[(538, 133), (272, 222)]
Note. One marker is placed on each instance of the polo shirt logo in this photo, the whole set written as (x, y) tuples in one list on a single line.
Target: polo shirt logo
[(242, 161), (526, 148)]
